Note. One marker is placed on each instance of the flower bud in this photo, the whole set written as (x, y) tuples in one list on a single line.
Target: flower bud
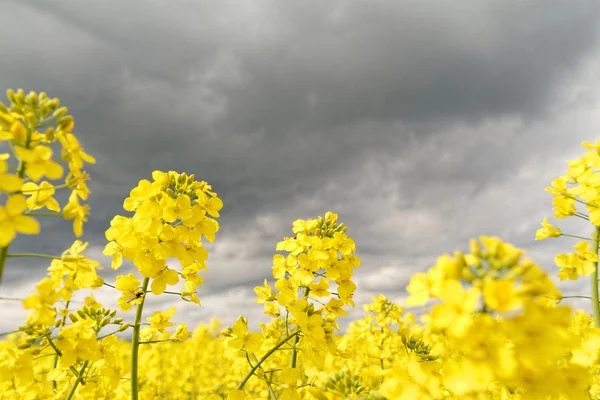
[(73, 317), (20, 97), (65, 123), (11, 96), (113, 313), (118, 321), (32, 99), (24, 346), (60, 112), (50, 134), (54, 104), (123, 328), (105, 321), (30, 117)]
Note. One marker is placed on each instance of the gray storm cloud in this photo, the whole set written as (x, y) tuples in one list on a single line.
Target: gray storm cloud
[(421, 123)]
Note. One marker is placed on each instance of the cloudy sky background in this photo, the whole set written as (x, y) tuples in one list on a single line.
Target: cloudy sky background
[(421, 123)]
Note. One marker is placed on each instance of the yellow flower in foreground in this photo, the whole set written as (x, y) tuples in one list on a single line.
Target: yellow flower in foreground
[(572, 265), (547, 231), (78, 213), (242, 339), (181, 333), (12, 220), (500, 295), (8, 182), (129, 285)]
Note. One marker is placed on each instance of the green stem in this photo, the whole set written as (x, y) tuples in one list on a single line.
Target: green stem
[(3, 254), (576, 297), (155, 341), (79, 379), (32, 255), (595, 297), (294, 355), (135, 342), (267, 381), (64, 320), (43, 214), (11, 298), (263, 358), (575, 236)]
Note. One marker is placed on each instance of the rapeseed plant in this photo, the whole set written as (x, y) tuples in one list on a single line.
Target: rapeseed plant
[(493, 325)]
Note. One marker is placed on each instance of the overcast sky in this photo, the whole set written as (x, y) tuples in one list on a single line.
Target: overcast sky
[(421, 123)]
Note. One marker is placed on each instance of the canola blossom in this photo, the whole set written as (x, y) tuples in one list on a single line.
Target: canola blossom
[(493, 324)]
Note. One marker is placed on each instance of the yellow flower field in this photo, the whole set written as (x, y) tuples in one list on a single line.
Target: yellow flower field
[(494, 325)]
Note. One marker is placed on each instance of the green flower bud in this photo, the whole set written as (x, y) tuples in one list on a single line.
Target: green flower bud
[(50, 134), (30, 117), (65, 121), (32, 99), (54, 104), (11, 96), (123, 328), (20, 97), (60, 112), (73, 317), (118, 321)]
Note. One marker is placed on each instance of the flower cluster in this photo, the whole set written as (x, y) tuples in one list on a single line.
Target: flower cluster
[(490, 323), (21, 126), (172, 214)]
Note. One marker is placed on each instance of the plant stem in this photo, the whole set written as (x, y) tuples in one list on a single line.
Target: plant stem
[(294, 356), (79, 379), (595, 297), (64, 320), (263, 358), (575, 236), (32, 255), (43, 214), (135, 342), (3, 254)]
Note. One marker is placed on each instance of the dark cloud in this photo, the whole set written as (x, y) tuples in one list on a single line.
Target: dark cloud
[(421, 124)]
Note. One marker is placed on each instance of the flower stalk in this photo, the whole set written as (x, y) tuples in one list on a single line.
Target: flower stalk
[(594, 279), (135, 342)]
